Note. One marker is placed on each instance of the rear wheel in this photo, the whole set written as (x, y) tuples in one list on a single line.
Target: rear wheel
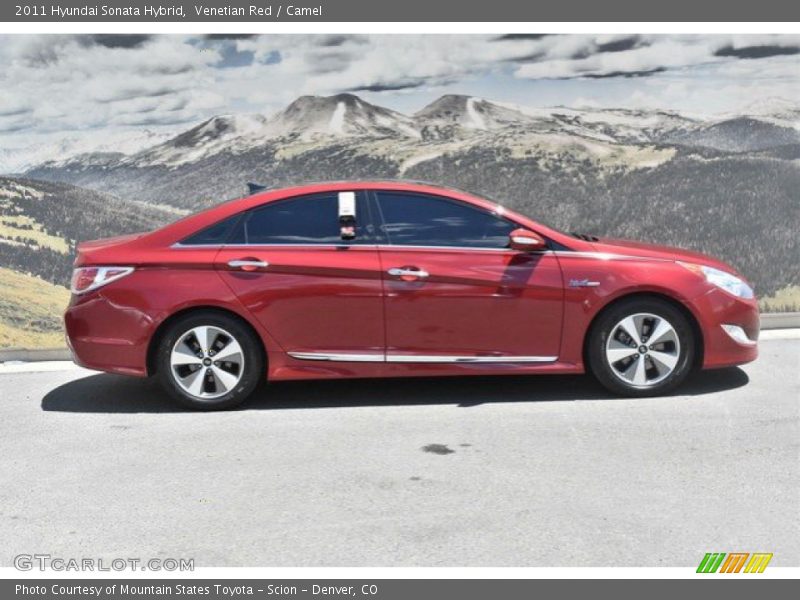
[(641, 347), (209, 361)]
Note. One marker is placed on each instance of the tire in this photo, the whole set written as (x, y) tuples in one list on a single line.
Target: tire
[(651, 368), (209, 378)]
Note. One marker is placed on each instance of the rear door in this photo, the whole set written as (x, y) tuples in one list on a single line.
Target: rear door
[(318, 296), (455, 292)]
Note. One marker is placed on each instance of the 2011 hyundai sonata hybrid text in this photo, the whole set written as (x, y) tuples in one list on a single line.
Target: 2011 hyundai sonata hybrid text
[(396, 279)]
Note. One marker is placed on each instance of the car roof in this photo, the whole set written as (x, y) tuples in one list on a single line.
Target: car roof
[(404, 185), (361, 184)]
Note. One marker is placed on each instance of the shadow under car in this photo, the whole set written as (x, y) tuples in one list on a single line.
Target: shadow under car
[(104, 393)]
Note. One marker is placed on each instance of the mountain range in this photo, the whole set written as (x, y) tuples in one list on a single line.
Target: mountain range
[(209, 162), (728, 186)]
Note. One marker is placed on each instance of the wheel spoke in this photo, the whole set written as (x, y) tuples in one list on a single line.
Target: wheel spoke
[(617, 354), (194, 382), (203, 337), (639, 374), (224, 379), (628, 325), (181, 355), (665, 360), (230, 352), (662, 329)]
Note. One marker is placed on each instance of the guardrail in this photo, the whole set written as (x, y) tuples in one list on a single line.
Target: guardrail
[(787, 320), (34, 354), (768, 321)]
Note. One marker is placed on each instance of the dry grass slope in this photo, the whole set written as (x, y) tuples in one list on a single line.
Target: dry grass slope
[(784, 300), (30, 311)]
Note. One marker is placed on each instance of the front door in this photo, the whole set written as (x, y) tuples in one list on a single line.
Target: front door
[(456, 293), (318, 296)]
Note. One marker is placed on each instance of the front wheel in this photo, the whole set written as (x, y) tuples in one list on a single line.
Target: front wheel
[(209, 361), (641, 347)]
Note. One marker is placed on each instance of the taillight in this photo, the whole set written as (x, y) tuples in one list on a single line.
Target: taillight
[(86, 279)]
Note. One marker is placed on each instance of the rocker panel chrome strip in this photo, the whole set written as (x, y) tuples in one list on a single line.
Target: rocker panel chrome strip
[(337, 356), (417, 358)]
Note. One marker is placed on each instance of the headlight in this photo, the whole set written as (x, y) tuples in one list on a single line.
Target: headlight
[(722, 279)]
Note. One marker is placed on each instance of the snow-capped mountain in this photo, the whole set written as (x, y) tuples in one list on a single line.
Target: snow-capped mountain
[(41, 149), (468, 112), (340, 115), (775, 110), (343, 135), (223, 133), (306, 119), (317, 121), (739, 134)]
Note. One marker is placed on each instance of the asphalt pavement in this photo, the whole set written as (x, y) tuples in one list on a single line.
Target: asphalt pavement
[(506, 471)]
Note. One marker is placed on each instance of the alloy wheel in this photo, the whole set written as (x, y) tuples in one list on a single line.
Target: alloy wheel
[(643, 349), (207, 362)]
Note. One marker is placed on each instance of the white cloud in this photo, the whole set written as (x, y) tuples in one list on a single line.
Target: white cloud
[(69, 85), (648, 54)]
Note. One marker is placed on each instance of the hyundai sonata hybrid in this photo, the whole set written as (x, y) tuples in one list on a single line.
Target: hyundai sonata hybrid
[(396, 279)]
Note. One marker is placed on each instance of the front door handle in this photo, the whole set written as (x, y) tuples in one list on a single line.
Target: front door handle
[(248, 264), (408, 273)]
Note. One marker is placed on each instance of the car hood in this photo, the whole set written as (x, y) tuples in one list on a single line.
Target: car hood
[(645, 250)]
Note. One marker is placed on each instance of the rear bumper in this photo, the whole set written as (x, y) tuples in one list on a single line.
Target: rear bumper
[(718, 308), (105, 337)]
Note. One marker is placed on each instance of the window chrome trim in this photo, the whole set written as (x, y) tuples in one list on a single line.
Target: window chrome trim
[(418, 358), (459, 248), (178, 245), (546, 252)]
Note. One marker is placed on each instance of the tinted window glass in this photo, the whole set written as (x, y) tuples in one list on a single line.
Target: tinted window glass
[(307, 220), (215, 234), (417, 220)]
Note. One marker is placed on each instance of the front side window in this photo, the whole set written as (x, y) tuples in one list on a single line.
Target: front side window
[(420, 220), (306, 220)]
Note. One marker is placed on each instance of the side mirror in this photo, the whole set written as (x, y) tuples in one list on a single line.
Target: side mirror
[(524, 240)]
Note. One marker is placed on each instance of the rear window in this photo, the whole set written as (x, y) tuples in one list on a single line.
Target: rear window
[(214, 235), (303, 220)]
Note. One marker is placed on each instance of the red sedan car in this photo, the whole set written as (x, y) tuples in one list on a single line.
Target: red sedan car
[(395, 279)]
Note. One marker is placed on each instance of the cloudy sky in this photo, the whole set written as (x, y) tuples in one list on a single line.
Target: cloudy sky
[(56, 86)]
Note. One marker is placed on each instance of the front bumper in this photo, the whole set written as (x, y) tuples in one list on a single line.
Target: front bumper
[(717, 311)]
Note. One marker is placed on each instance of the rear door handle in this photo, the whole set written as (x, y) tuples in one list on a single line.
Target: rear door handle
[(248, 264), (408, 273)]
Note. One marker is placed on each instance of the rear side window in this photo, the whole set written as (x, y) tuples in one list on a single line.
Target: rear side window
[(214, 235), (421, 220), (305, 220)]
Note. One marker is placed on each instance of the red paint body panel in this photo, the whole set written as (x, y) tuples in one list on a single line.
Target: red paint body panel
[(341, 299), (110, 329), (476, 302), (312, 299)]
